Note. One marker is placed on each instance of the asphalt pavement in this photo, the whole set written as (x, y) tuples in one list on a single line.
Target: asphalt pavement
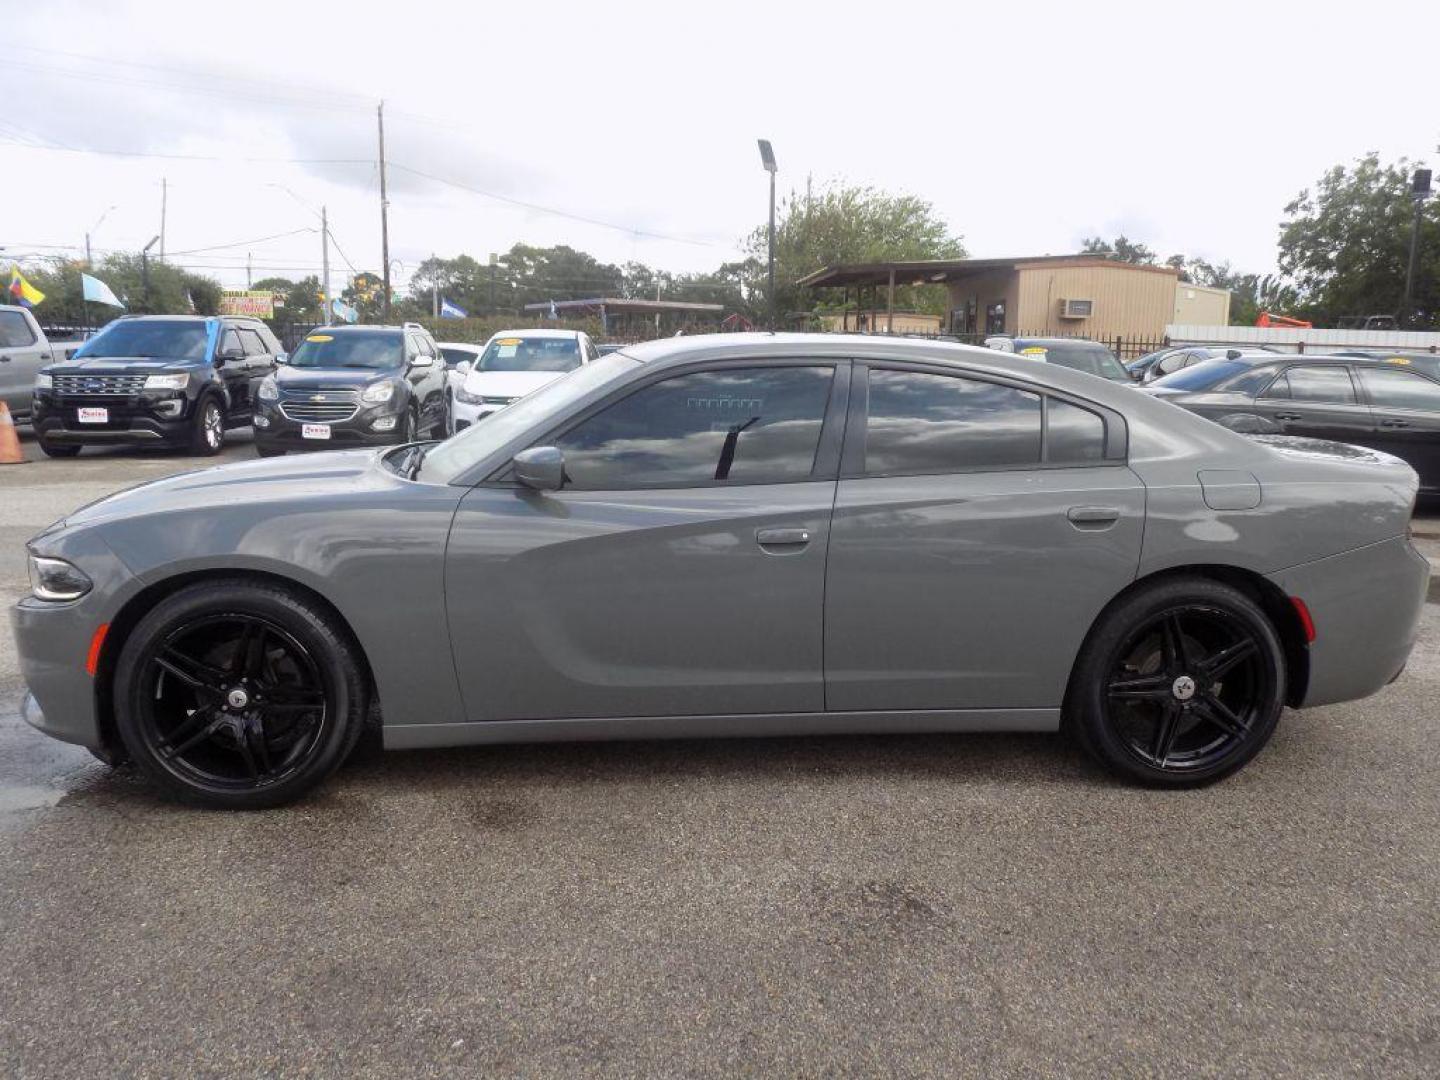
[(958, 905)]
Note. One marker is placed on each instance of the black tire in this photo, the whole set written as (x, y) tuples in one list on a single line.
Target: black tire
[(58, 450), (410, 430), (207, 430), (269, 451), (447, 428), (238, 695), (1179, 684)]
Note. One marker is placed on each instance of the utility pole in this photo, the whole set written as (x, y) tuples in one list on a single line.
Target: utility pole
[(164, 198), (384, 222), (325, 259), (87, 251), (249, 269), (494, 260), (1419, 191), (145, 271)]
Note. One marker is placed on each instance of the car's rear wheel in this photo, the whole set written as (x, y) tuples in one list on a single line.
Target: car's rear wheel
[(1179, 684), (207, 435), (238, 695)]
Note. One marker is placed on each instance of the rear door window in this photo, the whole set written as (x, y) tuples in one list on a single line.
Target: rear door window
[(1390, 389), (920, 423), (730, 426)]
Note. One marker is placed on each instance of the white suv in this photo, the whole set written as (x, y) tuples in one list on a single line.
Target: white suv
[(513, 364)]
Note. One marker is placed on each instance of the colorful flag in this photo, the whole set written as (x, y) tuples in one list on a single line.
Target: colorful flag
[(451, 310), (343, 311), (98, 292), (21, 291)]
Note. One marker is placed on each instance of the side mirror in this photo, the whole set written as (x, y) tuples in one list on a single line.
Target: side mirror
[(541, 468), (282, 358), (462, 368), (232, 354), (422, 361)]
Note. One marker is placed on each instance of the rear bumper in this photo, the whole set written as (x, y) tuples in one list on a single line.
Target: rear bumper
[(1366, 605)]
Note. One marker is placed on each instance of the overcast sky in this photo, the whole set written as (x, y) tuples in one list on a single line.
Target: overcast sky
[(1028, 125)]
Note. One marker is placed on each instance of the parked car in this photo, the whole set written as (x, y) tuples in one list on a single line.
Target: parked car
[(515, 363), (739, 534), (353, 386), (24, 350), (1074, 353), (1390, 404), (1157, 365), (159, 380)]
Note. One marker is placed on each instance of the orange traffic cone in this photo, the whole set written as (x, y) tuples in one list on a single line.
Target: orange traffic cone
[(9, 439)]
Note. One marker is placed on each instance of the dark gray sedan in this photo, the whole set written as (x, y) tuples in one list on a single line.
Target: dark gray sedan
[(735, 535)]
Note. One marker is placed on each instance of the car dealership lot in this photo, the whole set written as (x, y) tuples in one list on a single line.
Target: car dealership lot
[(969, 904)]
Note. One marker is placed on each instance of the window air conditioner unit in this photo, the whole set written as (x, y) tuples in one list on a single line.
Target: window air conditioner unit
[(1077, 309)]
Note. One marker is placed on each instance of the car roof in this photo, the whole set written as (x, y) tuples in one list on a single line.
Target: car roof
[(1055, 341), (469, 345), (537, 332)]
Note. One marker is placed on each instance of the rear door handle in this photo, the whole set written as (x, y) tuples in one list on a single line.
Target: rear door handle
[(1288, 416), (1093, 516), (790, 538)]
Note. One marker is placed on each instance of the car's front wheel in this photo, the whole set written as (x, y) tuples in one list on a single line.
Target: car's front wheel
[(238, 695), (1180, 683), (58, 450), (207, 435)]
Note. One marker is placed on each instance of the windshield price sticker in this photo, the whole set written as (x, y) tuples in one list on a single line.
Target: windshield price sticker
[(319, 337), (1033, 350)]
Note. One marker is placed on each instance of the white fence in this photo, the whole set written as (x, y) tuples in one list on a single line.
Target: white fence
[(1298, 339)]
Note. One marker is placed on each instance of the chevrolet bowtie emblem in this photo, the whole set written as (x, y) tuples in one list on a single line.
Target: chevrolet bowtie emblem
[(317, 397)]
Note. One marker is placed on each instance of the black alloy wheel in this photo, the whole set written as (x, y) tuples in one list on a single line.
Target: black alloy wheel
[(238, 695), (1185, 685)]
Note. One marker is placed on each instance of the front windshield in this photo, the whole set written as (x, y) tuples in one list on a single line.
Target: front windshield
[(372, 350), (459, 452), (1095, 360), (518, 353), (1201, 376), (170, 339)]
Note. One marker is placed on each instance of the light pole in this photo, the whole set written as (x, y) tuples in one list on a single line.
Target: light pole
[(92, 229), (767, 159), (145, 270)]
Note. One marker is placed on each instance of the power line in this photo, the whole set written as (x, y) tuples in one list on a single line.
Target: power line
[(244, 243), (552, 210), (186, 157)]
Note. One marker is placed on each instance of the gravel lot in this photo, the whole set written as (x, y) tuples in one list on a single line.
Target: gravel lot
[(961, 905)]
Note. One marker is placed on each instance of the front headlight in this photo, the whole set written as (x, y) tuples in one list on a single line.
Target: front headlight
[(43, 381), (168, 382), (378, 393), (461, 394), (269, 390), (56, 579)]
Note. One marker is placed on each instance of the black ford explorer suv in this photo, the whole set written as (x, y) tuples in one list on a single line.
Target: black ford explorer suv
[(348, 386), (160, 380)]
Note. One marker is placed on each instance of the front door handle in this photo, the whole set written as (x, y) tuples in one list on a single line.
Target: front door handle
[(1288, 416), (1093, 517), (786, 538), (1394, 423)]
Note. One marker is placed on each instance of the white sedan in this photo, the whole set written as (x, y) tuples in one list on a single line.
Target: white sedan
[(512, 364)]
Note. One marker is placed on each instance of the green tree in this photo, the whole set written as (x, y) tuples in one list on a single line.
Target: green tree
[(1122, 249), (1345, 244), (843, 223), (146, 287)]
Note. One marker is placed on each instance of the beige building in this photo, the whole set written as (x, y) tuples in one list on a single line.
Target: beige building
[(1079, 295)]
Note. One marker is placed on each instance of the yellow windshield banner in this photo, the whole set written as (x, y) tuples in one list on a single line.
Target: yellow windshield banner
[(320, 337)]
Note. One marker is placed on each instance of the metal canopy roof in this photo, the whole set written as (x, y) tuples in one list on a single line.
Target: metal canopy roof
[(932, 271)]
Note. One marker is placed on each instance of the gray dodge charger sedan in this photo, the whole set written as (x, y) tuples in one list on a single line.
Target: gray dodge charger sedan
[(735, 535)]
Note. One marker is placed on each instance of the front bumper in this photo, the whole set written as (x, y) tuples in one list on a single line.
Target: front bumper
[(159, 418), (1366, 605), (53, 642), (273, 429), (466, 414)]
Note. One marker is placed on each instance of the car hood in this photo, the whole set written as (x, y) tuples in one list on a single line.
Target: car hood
[(262, 480), (292, 378), (129, 365), (511, 384)]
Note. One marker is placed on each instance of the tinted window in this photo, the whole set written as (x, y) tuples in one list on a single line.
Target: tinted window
[(921, 423), (157, 338), (1399, 389), (1249, 382), (1202, 376), (371, 350), (1089, 358), (1328, 384), (15, 332), (530, 354), (455, 356), (1072, 434), (746, 426)]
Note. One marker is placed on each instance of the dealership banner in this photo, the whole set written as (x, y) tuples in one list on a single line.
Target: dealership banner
[(260, 303)]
